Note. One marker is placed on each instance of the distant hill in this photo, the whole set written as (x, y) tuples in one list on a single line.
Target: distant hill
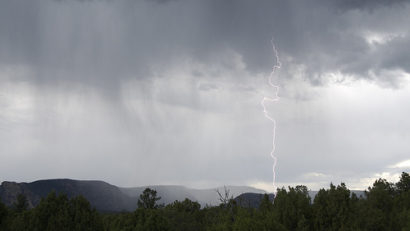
[(103, 196), (110, 198), (170, 193), (251, 200)]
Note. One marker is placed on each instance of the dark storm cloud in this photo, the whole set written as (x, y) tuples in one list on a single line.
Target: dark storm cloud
[(101, 43), (366, 4), (317, 36), (162, 1)]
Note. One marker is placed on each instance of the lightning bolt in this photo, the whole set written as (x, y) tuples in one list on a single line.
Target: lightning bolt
[(275, 98)]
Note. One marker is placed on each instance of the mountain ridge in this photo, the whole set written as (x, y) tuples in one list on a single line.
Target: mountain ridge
[(111, 198), (107, 197)]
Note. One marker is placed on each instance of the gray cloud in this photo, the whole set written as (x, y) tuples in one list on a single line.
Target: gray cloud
[(104, 42), (366, 4), (175, 86)]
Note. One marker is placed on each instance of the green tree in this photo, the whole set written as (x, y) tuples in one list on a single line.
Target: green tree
[(403, 186), (20, 217), (151, 219), (266, 204), (83, 216), (332, 209), (148, 199), (378, 206), (3, 215), (402, 202), (57, 212), (52, 213), (185, 215), (21, 203), (292, 208)]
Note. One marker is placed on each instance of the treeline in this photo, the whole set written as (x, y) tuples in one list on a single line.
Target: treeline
[(386, 206)]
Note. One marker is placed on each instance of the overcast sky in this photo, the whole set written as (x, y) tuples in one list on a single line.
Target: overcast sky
[(142, 92)]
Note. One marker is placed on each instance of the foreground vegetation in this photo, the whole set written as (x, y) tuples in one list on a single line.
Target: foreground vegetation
[(386, 206)]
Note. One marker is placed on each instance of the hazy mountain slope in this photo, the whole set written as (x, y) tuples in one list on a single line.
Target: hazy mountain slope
[(251, 200), (170, 193), (107, 197), (102, 196)]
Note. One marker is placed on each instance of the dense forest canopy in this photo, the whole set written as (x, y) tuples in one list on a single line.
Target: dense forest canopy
[(385, 206)]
